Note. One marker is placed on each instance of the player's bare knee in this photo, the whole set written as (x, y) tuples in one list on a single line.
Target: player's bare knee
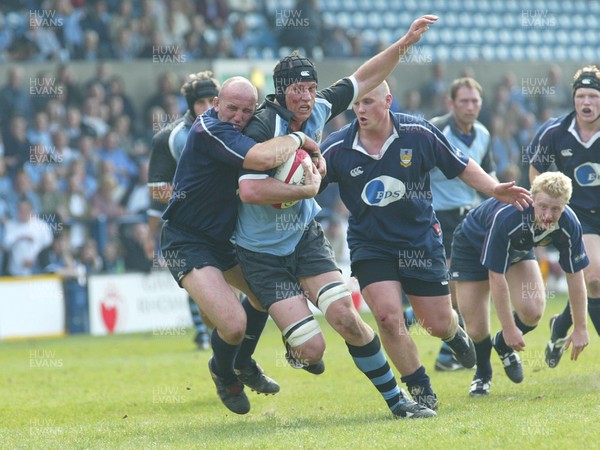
[(311, 351), (593, 285), (390, 323)]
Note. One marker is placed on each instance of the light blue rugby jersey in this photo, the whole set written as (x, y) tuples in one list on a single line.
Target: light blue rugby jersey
[(264, 228), (455, 193)]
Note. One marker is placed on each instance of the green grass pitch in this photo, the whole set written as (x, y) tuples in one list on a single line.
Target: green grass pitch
[(153, 390)]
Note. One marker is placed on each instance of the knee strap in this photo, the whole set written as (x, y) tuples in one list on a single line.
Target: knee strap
[(299, 332), (330, 293)]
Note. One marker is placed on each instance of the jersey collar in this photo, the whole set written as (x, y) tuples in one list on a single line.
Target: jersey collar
[(351, 141), (573, 130)]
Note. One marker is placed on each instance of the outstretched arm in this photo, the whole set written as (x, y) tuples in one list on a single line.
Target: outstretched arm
[(373, 72), (476, 177), (578, 299)]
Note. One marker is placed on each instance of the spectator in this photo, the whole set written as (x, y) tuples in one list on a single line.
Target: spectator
[(112, 258), (98, 19), (302, 28), (138, 198), (134, 239), (92, 117), (58, 258), (338, 45), (5, 181), (6, 38), (434, 92), (124, 168), (46, 43), (15, 100), (53, 202), (89, 257), (215, 12), (24, 238), (77, 209), (39, 163), (116, 88), (412, 104), (105, 202), (70, 34), (40, 134), (16, 144), (506, 151), (23, 190)]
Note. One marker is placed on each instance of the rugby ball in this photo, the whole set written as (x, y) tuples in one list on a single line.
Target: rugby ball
[(291, 172)]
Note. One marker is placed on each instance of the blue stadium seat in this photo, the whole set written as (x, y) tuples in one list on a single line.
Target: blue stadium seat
[(343, 20), (359, 20), (488, 52)]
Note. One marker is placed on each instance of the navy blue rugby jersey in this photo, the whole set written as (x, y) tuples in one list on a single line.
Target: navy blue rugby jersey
[(504, 235), (557, 141), (205, 196), (389, 197)]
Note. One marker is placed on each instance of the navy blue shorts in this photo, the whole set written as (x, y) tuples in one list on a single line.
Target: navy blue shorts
[(184, 250), (370, 271), (274, 278), (466, 260), (590, 220)]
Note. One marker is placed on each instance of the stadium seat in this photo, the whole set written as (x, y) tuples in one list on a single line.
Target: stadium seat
[(359, 20)]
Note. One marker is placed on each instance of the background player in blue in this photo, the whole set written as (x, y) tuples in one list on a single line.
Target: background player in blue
[(452, 198), (492, 253), (167, 145), (200, 219), (268, 237), (381, 162), (572, 143)]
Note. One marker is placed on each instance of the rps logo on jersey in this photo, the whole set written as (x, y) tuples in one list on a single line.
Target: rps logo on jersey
[(588, 174), (382, 191)]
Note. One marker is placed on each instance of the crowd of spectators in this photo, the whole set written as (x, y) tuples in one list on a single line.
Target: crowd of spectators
[(94, 30), (74, 153)]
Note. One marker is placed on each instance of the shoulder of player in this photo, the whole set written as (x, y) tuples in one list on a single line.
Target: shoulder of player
[(338, 140), (569, 220), (441, 121)]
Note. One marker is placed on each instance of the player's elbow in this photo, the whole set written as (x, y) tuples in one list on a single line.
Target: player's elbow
[(249, 194)]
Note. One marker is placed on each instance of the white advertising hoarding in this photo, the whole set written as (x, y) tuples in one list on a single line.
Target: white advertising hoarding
[(136, 302), (31, 307)]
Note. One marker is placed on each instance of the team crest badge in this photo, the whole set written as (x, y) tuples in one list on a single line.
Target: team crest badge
[(405, 157)]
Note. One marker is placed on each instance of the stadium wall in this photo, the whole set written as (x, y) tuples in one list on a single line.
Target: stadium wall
[(140, 78)]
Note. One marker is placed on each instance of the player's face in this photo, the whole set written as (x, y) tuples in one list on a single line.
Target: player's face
[(587, 104), (547, 210), (202, 104), (466, 106), (372, 109), (300, 99), (236, 106)]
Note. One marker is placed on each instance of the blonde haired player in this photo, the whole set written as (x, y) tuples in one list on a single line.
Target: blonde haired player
[(492, 252)]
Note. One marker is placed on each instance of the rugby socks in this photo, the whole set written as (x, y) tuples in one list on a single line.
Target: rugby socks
[(594, 312), (223, 357), (562, 323), (419, 382), (446, 352), (499, 343), (371, 361), (254, 328), (484, 350)]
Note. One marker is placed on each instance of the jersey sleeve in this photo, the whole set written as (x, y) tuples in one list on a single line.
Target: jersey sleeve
[(221, 140), (326, 149), (571, 249), (540, 149), (495, 253), (340, 95), (162, 164)]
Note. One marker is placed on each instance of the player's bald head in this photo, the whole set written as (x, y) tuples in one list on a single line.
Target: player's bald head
[(380, 91), (235, 86)]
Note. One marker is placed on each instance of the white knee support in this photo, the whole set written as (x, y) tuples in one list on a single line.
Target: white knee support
[(299, 332), (330, 293)]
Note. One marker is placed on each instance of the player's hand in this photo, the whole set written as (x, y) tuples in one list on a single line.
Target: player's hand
[(514, 195), (312, 179), (514, 338), (314, 151), (580, 339), (417, 29)]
